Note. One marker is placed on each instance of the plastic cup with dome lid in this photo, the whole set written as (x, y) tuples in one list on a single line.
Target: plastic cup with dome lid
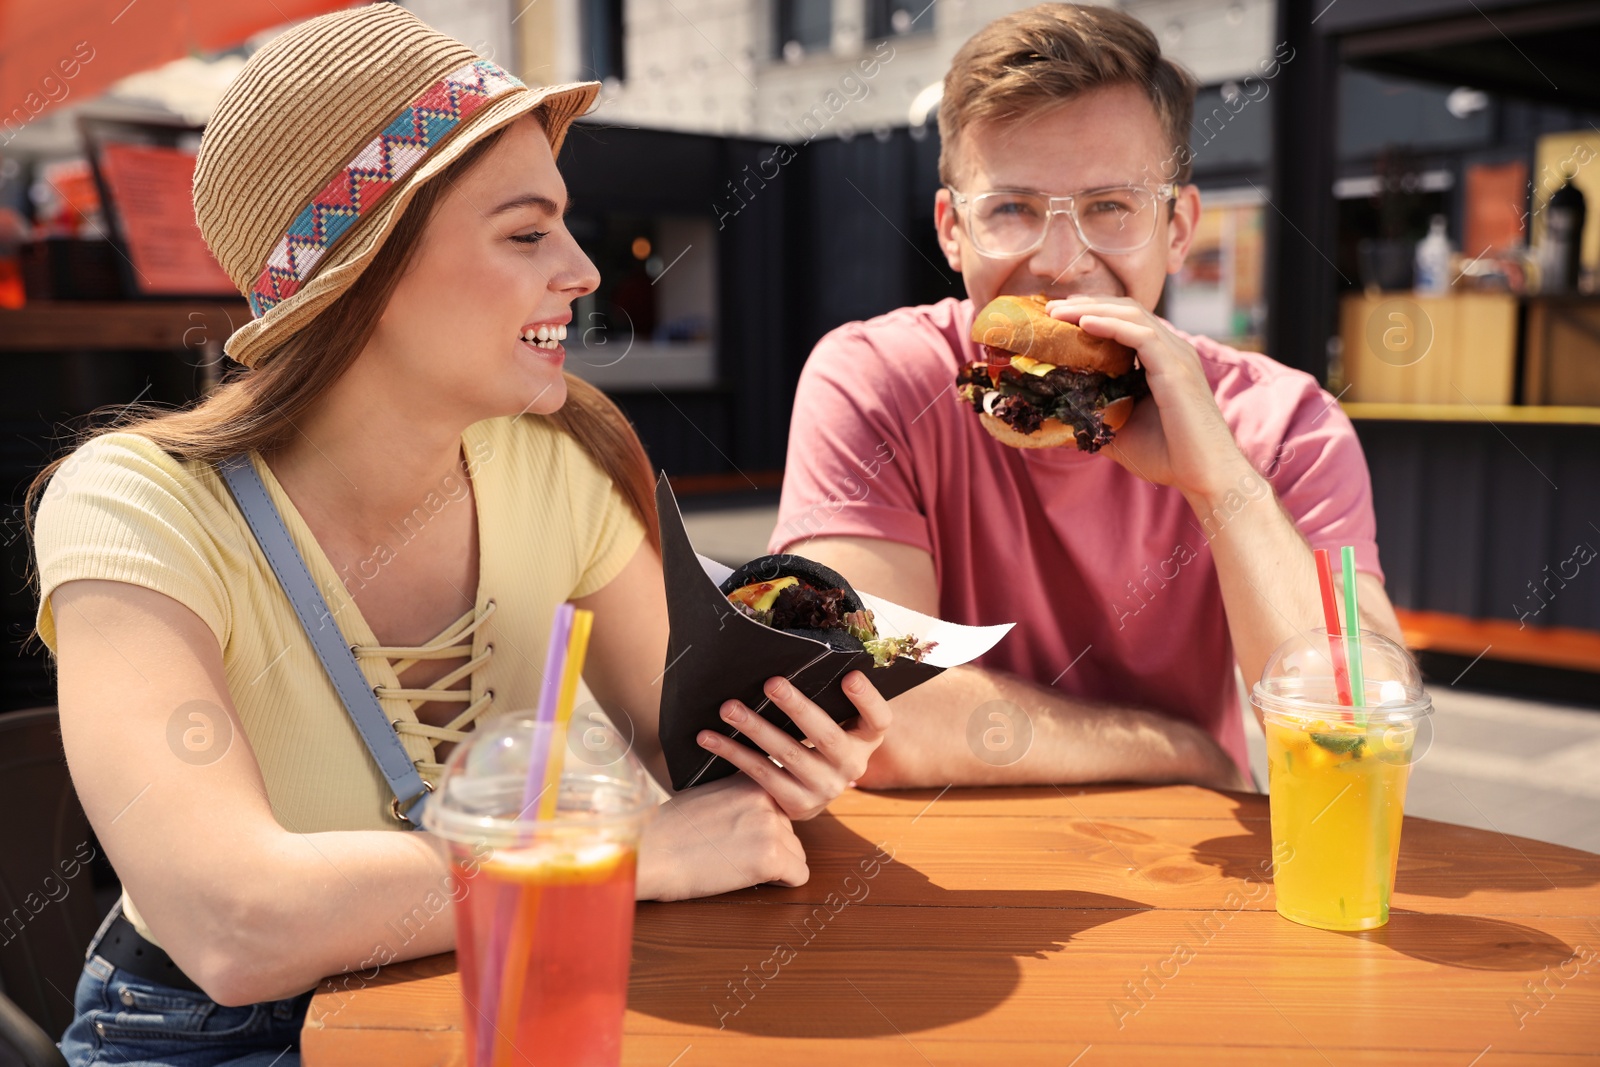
[(1345, 718), (544, 893)]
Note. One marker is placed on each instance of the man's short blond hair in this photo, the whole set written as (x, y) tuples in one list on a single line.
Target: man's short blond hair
[(1041, 56)]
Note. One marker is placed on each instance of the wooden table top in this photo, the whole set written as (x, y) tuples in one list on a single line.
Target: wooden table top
[(1070, 927)]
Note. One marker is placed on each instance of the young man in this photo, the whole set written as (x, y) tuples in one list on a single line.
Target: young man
[(1139, 575)]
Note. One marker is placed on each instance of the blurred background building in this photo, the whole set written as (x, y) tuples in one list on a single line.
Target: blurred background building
[(1396, 200)]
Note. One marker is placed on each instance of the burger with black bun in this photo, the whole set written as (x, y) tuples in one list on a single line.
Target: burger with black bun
[(1044, 383), (803, 597)]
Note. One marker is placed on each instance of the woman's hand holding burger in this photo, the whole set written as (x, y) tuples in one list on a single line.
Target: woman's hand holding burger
[(1178, 436), (736, 832)]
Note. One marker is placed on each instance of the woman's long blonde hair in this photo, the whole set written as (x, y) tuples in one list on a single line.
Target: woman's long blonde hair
[(257, 409)]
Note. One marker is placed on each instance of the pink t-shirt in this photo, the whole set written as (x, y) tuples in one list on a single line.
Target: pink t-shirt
[(1109, 578)]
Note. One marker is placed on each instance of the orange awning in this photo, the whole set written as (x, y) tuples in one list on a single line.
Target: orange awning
[(53, 51)]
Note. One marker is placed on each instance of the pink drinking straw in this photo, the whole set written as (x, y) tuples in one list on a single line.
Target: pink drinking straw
[(1330, 615), (555, 658)]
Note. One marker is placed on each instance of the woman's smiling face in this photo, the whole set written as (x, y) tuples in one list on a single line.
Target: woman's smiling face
[(494, 265)]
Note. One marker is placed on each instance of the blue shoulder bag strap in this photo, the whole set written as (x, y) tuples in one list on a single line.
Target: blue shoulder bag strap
[(410, 791)]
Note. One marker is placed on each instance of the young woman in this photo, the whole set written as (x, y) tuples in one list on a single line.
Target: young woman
[(391, 205)]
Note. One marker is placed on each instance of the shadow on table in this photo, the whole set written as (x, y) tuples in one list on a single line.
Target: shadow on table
[(1468, 941), (1245, 856), (1447, 861), (869, 960), (1437, 859)]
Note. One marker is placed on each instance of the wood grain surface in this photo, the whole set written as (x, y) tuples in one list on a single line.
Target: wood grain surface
[(1070, 926), (55, 326)]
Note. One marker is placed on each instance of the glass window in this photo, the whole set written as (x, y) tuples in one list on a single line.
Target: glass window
[(804, 26), (652, 322), (893, 18), (1221, 290), (1379, 110), (1232, 127), (600, 32)]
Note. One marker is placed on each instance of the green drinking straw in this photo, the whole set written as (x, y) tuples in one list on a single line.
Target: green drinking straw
[(1352, 629)]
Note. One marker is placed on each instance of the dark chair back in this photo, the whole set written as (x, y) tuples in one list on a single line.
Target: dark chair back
[(47, 904)]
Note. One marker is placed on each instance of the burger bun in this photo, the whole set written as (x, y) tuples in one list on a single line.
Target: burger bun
[(1020, 325)]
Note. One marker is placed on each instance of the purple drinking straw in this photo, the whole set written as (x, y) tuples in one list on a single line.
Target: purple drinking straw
[(555, 659)]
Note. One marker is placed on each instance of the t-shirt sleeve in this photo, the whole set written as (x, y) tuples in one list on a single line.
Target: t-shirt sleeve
[(606, 532), (120, 509), (848, 472), (1320, 473)]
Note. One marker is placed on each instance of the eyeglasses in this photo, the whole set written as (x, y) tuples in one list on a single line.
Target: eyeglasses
[(1119, 218)]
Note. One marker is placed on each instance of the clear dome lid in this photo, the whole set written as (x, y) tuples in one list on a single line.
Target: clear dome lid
[(484, 794), (1304, 678)]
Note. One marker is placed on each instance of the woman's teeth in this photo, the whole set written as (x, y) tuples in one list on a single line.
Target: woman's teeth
[(545, 336)]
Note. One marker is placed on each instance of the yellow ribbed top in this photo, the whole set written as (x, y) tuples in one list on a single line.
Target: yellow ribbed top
[(551, 527)]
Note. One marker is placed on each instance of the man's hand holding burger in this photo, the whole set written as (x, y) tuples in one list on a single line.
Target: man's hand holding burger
[(1177, 436)]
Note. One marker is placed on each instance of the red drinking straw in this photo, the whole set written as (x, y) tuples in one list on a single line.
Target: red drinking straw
[(1330, 615)]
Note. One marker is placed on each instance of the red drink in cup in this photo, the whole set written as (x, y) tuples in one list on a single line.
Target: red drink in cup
[(544, 908), (577, 910)]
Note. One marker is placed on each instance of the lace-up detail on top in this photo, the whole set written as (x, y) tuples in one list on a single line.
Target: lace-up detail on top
[(454, 642)]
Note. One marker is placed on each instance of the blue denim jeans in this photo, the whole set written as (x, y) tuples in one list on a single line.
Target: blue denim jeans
[(133, 1022)]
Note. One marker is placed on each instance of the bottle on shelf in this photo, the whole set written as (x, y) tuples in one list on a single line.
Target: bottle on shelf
[(1563, 235), (1433, 260)]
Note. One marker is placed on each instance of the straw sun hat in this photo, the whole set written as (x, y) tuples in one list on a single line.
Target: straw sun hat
[(317, 147)]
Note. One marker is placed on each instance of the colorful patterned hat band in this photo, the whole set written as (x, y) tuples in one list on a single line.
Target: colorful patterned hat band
[(382, 162)]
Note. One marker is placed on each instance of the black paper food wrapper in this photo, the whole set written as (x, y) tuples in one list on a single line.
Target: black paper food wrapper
[(716, 654)]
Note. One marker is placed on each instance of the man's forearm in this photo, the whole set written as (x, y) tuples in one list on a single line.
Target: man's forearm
[(976, 727), (1266, 570)]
